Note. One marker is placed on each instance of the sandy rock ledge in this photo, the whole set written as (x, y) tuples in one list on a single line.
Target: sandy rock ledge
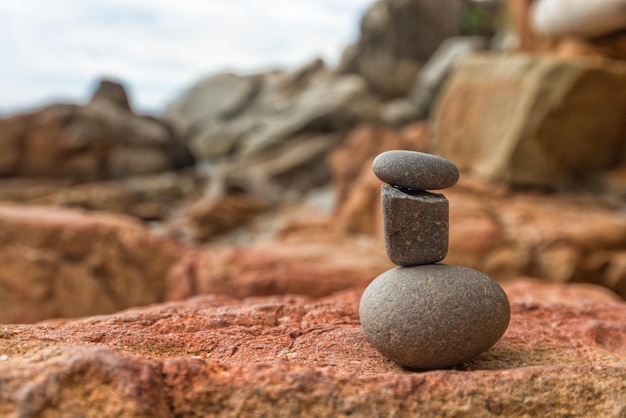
[(297, 356)]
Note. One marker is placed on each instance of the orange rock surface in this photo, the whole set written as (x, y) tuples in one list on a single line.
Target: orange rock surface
[(296, 356)]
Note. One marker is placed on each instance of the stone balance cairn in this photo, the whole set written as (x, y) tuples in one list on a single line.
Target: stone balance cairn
[(426, 315)]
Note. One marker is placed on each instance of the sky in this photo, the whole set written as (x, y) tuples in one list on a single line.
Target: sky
[(57, 50)]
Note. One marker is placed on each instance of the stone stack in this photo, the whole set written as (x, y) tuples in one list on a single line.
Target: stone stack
[(424, 314)]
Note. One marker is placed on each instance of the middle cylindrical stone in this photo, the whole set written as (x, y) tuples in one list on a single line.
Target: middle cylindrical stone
[(415, 225)]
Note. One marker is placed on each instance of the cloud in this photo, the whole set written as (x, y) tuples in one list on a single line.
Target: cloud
[(55, 50)]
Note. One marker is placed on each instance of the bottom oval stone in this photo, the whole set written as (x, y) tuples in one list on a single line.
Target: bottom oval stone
[(433, 316)]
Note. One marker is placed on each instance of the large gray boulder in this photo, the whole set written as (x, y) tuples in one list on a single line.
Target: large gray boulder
[(269, 134), (429, 80), (228, 114), (397, 36)]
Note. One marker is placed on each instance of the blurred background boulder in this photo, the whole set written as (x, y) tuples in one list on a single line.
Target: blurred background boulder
[(69, 263), (533, 120), (101, 140)]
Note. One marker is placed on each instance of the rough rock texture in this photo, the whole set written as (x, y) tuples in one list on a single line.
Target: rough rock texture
[(558, 237), (532, 120), (397, 36), (415, 170), (68, 263), (93, 142), (415, 226), (292, 356), (433, 316)]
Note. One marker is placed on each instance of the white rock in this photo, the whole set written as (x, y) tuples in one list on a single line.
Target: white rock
[(582, 18)]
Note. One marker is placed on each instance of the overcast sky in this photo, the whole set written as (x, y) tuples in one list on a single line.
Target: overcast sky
[(54, 50)]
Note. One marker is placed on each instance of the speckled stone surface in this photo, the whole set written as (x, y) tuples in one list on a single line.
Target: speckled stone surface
[(415, 170), (433, 316), (415, 226)]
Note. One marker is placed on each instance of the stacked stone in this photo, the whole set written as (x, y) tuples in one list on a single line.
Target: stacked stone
[(424, 314)]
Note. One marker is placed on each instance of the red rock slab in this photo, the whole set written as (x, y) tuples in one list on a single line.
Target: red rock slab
[(531, 290), (64, 262), (312, 266), (297, 356)]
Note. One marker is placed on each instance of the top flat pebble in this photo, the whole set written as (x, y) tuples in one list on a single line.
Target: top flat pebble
[(415, 170)]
